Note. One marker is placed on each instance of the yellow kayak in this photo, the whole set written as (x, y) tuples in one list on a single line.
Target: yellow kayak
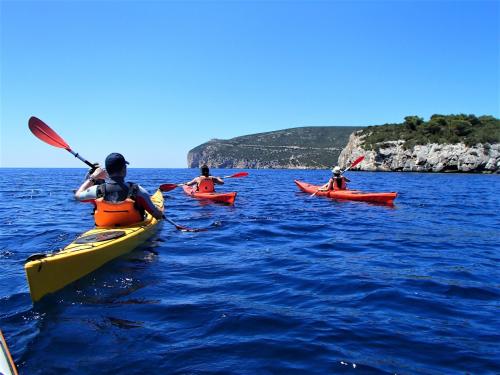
[(47, 273), (7, 366)]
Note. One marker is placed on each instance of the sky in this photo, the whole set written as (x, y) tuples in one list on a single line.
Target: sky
[(153, 79)]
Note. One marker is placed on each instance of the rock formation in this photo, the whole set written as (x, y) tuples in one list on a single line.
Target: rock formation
[(431, 157)]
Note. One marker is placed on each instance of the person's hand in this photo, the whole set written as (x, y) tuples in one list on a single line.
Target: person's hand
[(91, 170), (99, 174)]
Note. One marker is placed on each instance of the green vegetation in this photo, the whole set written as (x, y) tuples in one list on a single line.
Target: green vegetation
[(444, 129), (311, 147)]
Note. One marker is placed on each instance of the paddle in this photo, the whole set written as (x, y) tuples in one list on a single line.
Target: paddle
[(43, 132), (237, 175), (183, 228), (354, 163), (169, 187)]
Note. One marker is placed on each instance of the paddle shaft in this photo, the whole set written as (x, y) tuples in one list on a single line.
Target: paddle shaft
[(181, 227), (78, 156), (169, 186), (354, 163)]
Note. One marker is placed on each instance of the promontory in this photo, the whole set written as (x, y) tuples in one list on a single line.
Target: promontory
[(444, 143)]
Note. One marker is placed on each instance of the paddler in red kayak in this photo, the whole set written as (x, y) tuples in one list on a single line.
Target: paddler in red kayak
[(117, 203), (336, 182), (205, 183)]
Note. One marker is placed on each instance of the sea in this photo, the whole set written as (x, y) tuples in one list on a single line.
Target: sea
[(280, 283)]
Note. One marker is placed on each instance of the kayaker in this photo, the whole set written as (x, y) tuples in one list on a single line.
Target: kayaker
[(205, 183), (117, 203), (336, 182)]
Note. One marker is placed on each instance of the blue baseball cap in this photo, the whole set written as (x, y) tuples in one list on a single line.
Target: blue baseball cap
[(115, 162)]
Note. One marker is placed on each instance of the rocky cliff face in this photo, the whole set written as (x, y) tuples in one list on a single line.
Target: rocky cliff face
[(432, 157)]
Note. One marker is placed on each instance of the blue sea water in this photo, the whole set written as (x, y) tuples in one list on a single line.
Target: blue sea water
[(285, 284)]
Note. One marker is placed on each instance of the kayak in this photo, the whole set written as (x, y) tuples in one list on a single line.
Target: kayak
[(216, 197), (47, 273), (353, 195), (7, 366)]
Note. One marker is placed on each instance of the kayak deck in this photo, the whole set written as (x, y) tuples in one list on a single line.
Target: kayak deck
[(354, 195), (216, 197), (48, 273)]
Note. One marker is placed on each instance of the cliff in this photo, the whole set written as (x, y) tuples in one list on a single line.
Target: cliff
[(431, 157), (299, 148), (444, 143)]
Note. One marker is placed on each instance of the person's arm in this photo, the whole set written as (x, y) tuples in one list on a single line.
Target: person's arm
[(217, 180), (98, 174), (87, 195), (194, 181), (144, 200), (330, 184), (347, 180), (326, 186)]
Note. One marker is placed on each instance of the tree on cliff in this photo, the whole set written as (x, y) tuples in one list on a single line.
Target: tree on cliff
[(444, 129)]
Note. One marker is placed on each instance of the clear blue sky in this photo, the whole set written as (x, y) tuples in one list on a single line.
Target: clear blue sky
[(154, 79)]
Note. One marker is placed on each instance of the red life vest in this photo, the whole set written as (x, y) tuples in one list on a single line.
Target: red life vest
[(117, 214), (343, 184), (206, 185)]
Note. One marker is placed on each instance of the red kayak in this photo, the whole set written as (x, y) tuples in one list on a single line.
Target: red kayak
[(216, 197), (353, 195)]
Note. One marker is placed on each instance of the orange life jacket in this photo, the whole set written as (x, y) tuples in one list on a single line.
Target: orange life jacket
[(206, 185), (343, 184), (119, 214)]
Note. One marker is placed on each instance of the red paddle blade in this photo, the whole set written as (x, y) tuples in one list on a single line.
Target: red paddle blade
[(43, 132), (167, 187), (357, 161), (236, 175)]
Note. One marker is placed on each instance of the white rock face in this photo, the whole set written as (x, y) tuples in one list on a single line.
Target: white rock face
[(432, 157)]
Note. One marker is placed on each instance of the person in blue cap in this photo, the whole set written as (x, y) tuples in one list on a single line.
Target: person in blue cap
[(117, 203)]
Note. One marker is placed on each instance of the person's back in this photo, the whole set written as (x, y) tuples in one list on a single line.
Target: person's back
[(117, 203), (337, 181), (205, 183)]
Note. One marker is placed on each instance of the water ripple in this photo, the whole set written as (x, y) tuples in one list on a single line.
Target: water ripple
[(282, 283)]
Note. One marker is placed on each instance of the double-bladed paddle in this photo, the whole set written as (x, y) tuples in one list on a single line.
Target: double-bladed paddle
[(354, 163), (43, 132), (169, 187)]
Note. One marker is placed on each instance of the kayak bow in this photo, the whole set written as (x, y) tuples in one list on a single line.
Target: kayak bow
[(48, 273)]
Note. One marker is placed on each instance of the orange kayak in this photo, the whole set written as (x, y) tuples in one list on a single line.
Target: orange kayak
[(353, 195), (216, 197)]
